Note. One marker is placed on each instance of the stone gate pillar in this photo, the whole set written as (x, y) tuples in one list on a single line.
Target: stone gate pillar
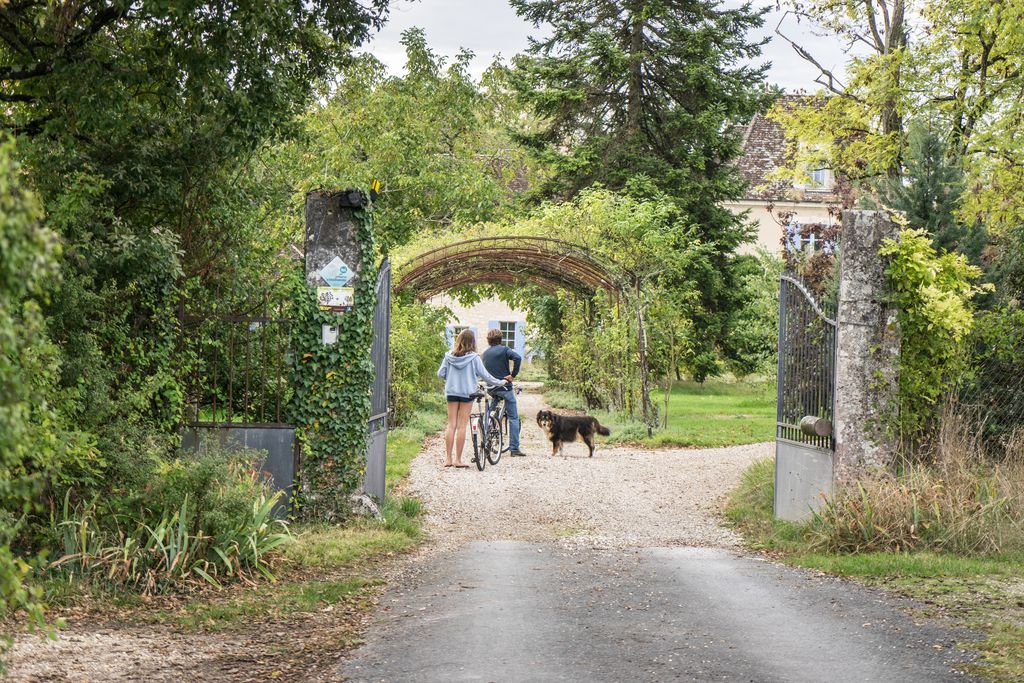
[(334, 254), (867, 357), (331, 336)]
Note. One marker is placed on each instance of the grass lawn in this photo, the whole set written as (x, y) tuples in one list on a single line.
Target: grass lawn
[(984, 593), (716, 413)]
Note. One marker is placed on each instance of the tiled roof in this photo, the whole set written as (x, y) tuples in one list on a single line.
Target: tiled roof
[(764, 151)]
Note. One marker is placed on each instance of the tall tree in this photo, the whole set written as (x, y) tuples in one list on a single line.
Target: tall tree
[(929, 194), (133, 119), (649, 87), (954, 66), (866, 110), (648, 96), (436, 139)]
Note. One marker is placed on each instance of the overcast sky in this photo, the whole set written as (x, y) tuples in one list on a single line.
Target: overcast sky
[(490, 27)]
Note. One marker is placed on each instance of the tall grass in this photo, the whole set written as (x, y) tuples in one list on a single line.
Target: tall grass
[(958, 500)]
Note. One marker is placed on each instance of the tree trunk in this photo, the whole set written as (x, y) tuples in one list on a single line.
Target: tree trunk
[(636, 82), (641, 349), (891, 119)]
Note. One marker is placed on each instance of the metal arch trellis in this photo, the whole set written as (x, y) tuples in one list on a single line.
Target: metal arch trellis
[(547, 262)]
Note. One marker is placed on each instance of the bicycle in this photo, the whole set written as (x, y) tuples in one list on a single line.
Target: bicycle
[(488, 439), (502, 416)]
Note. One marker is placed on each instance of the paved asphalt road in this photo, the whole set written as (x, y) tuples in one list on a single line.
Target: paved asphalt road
[(514, 611)]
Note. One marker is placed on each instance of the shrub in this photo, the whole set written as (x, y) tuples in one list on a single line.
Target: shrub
[(932, 294), (200, 519), (752, 345), (417, 346), (994, 385), (30, 443)]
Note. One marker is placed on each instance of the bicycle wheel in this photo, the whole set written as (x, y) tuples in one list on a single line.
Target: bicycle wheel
[(495, 441), (479, 443)]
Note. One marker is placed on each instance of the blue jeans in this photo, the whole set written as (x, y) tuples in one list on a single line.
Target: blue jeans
[(512, 410)]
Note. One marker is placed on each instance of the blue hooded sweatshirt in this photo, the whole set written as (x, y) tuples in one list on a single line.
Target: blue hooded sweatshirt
[(460, 372)]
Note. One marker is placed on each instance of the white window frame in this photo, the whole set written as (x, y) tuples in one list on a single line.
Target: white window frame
[(508, 332), (818, 178)]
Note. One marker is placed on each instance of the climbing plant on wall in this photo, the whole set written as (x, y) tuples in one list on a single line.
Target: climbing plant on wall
[(331, 403), (933, 294)]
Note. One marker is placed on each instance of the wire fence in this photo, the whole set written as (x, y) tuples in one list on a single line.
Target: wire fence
[(992, 390)]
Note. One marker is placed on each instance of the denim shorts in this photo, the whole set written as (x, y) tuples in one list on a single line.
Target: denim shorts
[(459, 399)]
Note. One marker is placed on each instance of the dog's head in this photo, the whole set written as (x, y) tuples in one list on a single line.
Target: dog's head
[(545, 418)]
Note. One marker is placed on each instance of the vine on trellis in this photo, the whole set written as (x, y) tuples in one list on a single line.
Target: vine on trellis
[(332, 382)]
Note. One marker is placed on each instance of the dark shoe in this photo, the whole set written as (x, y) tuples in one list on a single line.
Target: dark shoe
[(516, 452)]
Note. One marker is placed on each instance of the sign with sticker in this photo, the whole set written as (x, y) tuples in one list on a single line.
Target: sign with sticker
[(335, 299), (337, 273)]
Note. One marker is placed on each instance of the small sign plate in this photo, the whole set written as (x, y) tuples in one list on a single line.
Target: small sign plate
[(329, 334), (337, 273), (335, 299)]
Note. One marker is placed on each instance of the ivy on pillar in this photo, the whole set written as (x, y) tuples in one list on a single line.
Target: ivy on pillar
[(331, 338)]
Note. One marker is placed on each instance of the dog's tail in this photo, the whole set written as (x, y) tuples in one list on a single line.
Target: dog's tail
[(601, 429)]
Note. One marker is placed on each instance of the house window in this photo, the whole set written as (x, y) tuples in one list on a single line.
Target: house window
[(452, 333), (818, 177), (508, 334)]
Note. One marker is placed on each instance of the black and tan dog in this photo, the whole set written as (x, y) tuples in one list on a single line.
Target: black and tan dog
[(565, 428)]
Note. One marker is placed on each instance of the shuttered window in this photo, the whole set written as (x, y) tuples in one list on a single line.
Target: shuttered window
[(508, 333)]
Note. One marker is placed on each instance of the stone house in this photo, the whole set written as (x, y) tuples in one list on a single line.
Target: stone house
[(486, 315), (770, 201)]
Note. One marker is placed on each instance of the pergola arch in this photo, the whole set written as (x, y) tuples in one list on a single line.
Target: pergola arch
[(546, 262)]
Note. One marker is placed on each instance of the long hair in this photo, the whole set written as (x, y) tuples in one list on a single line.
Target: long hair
[(464, 343)]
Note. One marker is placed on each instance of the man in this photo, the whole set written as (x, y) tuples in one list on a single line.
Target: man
[(496, 361)]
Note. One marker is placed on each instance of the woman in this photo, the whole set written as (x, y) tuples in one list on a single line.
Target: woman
[(459, 370)]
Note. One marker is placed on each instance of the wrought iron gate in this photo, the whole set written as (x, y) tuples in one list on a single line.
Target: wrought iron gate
[(377, 441), (237, 386), (806, 400)]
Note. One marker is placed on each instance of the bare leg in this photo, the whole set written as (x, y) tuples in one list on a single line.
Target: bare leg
[(449, 432), (460, 430)]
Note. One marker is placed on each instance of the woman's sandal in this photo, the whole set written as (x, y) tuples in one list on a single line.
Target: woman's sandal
[(447, 464), (462, 466)]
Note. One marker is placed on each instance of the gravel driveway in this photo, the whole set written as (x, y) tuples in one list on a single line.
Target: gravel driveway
[(622, 497), (617, 568)]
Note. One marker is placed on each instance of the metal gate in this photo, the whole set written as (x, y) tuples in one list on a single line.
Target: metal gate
[(377, 441), (804, 443), (237, 386)]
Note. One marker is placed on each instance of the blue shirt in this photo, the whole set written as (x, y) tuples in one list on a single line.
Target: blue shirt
[(497, 358)]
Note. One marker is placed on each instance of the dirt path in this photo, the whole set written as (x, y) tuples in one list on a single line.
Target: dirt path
[(622, 497)]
